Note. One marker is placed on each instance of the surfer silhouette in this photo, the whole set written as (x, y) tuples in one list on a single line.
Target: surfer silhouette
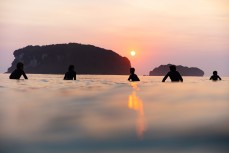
[(215, 76), (133, 77), (71, 74), (173, 74), (16, 74)]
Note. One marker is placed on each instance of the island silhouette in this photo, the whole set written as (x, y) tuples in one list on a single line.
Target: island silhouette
[(162, 70), (53, 59)]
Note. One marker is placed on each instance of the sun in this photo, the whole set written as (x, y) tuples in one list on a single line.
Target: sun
[(132, 53)]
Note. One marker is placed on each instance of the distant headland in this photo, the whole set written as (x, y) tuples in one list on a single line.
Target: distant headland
[(55, 59), (184, 71)]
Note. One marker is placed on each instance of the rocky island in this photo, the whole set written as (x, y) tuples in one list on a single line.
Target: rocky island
[(55, 59), (184, 71)]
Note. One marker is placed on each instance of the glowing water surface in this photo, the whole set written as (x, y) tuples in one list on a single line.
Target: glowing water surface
[(105, 114)]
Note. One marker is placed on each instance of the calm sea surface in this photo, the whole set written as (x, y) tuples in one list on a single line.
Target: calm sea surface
[(108, 114)]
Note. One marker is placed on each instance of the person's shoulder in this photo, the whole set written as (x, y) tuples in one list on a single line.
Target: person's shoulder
[(22, 71), (18, 71), (169, 73), (136, 77), (71, 71), (177, 72), (14, 71)]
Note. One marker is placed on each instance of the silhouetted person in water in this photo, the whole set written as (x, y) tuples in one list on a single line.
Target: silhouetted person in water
[(173, 74), (133, 77), (215, 76), (71, 74), (16, 74)]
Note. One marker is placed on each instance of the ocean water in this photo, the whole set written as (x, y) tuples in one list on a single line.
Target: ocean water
[(108, 114)]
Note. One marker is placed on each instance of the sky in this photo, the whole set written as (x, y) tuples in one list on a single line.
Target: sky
[(190, 33)]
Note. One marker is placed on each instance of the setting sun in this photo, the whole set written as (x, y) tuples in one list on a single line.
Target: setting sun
[(132, 53)]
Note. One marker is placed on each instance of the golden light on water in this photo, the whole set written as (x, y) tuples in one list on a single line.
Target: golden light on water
[(134, 85), (136, 104)]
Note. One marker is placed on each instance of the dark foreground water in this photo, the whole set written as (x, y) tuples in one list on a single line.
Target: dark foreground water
[(107, 114)]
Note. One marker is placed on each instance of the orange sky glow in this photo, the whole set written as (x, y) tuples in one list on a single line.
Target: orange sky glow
[(183, 32)]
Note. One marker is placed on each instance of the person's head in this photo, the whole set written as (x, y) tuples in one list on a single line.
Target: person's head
[(71, 68), (132, 70), (172, 68), (215, 72), (20, 65)]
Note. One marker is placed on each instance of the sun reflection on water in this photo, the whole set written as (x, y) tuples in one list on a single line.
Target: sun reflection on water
[(136, 104)]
